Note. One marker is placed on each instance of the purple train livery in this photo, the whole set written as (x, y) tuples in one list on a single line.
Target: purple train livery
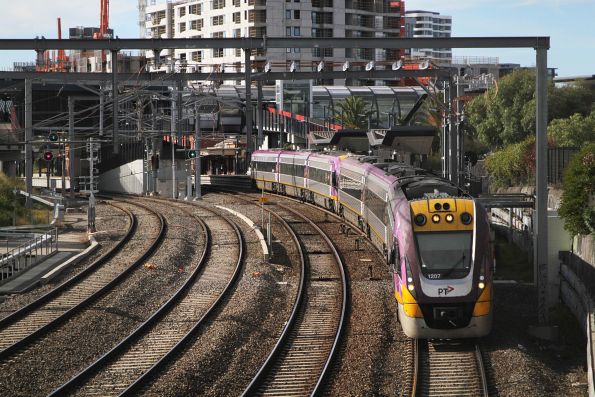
[(435, 238)]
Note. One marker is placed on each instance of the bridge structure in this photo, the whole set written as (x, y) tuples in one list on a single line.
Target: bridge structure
[(24, 81)]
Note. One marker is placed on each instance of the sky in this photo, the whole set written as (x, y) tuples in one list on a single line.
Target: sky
[(569, 23)]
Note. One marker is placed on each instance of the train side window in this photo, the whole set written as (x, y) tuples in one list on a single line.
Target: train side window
[(334, 179), (395, 257)]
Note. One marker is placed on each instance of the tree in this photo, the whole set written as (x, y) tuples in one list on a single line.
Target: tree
[(353, 112), (574, 131), (512, 165), (8, 205), (577, 207), (505, 114)]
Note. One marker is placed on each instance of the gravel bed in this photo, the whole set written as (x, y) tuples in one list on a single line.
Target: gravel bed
[(226, 355), (67, 350), (371, 361), (522, 365), (111, 223)]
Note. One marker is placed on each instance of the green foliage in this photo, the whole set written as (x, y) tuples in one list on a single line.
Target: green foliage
[(353, 112), (578, 206), (574, 131), (9, 206), (512, 165), (505, 114)]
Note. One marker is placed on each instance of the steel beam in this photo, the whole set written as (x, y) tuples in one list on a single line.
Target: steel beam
[(133, 79), (248, 82), (275, 42), (114, 76)]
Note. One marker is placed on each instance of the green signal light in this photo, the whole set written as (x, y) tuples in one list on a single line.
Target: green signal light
[(192, 154), (53, 137)]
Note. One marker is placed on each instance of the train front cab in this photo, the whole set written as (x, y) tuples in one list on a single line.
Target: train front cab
[(450, 294)]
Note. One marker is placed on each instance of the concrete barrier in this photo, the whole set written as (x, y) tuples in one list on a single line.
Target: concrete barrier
[(72, 261), (248, 221)]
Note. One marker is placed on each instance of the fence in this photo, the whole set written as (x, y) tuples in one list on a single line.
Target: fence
[(39, 246), (557, 160), (577, 289)]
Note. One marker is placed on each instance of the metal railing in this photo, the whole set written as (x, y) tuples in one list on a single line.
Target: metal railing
[(39, 246), (557, 160)]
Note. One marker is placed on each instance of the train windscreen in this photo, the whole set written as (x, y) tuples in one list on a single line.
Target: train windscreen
[(445, 254)]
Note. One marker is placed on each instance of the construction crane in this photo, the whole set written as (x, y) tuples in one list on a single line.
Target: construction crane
[(61, 67), (103, 20)]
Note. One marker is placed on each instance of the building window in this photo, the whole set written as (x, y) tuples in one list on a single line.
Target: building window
[(195, 9), (238, 52), (237, 33), (287, 14), (236, 3), (217, 20), (183, 57), (237, 17), (197, 24), (197, 56), (296, 31), (182, 27), (288, 31), (217, 52), (182, 11), (296, 14), (217, 4), (218, 35)]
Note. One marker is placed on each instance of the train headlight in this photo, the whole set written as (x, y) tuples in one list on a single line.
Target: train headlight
[(481, 278), (436, 218), (420, 219), (481, 285), (410, 287), (409, 279), (449, 218), (466, 218)]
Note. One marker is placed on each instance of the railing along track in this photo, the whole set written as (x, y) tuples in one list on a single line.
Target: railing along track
[(300, 361), (131, 364), (448, 368), (60, 304)]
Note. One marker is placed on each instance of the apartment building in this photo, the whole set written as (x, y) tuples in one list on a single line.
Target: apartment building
[(429, 24), (273, 18)]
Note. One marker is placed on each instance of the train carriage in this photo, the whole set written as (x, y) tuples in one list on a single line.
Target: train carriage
[(435, 237)]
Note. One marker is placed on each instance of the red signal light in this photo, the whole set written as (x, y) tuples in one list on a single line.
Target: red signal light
[(48, 156)]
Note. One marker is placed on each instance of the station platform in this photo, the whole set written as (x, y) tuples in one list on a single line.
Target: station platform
[(72, 240)]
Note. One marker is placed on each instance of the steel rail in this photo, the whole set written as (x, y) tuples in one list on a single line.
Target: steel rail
[(91, 298), (83, 376), (276, 351), (469, 378), (144, 379), (260, 378)]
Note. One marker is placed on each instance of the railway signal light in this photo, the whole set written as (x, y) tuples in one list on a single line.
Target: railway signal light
[(192, 154), (53, 137), (48, 156)]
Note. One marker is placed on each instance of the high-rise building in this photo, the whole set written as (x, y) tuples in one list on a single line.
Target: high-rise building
[(273, 18), (429, 24)]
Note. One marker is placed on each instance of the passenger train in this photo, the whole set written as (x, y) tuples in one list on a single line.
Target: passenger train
[(435, 238)]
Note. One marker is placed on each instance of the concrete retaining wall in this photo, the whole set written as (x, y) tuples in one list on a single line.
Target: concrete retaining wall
[(127, 178)]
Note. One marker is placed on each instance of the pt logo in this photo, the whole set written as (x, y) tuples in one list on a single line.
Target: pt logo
[(445, 291)]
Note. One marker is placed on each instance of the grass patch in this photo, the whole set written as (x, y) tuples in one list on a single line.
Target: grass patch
[(512, 263)]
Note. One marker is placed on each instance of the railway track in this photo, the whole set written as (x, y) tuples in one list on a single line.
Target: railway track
[(301, 358), (449, 368), (47, 312), (135, 360)]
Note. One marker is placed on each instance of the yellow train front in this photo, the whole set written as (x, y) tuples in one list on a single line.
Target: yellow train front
[(443, 278)]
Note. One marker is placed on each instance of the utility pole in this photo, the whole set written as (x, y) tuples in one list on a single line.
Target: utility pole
[(115, 137), (71, 144), (197, 144), (248, 74), (259, 115), (28, 139)]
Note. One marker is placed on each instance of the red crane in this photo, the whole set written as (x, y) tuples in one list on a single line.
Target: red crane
[(103, 19), (61, 53)]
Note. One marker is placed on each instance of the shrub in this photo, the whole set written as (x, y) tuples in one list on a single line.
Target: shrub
[(577, 205), (512, 165)]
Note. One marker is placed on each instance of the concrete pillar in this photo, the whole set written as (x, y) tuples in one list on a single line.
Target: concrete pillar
[(453, 171), (115, 131), (547, 274), (259, 114), (197, 144)]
